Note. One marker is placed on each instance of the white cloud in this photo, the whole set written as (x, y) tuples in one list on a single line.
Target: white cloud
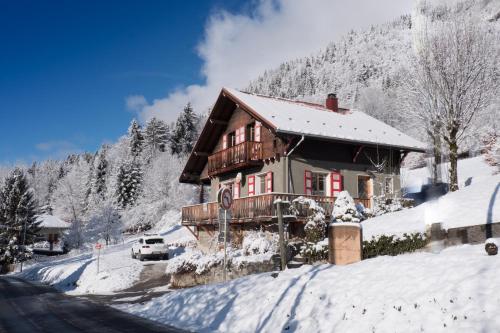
[(57, 149), (136, 102), (236, 48)]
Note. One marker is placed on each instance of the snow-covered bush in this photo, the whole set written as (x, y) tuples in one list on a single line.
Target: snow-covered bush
[(257, 243), (491, 150), (383, 205), (314, 248), (344, 209), (195, 261)]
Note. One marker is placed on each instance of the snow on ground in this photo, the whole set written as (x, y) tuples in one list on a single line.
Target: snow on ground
[(469, 170), (77, 274), (454, 291), (477, 203)]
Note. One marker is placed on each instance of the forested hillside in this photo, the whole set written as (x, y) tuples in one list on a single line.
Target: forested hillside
[(365, 67)]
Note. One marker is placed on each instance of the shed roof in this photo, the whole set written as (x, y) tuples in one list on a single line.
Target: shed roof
[(50, 221)]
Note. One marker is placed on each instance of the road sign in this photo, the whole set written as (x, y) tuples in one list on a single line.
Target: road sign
[(224, 219), (98, 246), (226, 198)]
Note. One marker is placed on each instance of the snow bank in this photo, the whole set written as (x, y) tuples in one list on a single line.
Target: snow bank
[(78, 275), (475, 204), (454, 291)]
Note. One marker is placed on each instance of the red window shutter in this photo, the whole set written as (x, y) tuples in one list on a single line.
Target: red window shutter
[(269, 182), (224, 142), (242, 134), (336, 183), (251, 185), (258, 127), (307, 182), (236, 190)]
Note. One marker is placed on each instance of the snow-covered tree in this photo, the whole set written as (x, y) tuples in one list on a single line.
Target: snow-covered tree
[(454, 78), (18, 225), (185, 132), (344, 209), (156, 137), (104, 223), (491, 150), (136, 138), (100, 173), (129, 184)]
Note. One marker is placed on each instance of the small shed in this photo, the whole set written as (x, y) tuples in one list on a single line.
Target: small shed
[(49, 237)]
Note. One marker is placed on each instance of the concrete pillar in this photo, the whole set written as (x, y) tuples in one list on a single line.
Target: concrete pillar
[(345, 243)]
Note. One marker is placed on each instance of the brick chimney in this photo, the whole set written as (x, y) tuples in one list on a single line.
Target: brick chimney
[(332, 103)]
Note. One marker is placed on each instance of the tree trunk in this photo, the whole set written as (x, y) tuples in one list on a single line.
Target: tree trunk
[(436, 152), (453, 147)]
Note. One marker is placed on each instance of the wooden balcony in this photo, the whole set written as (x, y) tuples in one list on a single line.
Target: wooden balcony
[(258, 208), (243, 155)]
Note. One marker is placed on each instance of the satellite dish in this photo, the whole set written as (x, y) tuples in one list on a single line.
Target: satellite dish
[(238, 177)]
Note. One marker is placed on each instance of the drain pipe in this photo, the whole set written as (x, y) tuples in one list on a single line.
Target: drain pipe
[(287, 167)]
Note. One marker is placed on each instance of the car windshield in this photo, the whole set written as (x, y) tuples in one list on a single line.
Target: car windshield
[(154, 241)]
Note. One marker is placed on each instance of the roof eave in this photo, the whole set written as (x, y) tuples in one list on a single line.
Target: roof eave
[(405, 148)]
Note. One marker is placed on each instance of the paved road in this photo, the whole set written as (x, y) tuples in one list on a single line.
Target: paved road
[(28, 307)]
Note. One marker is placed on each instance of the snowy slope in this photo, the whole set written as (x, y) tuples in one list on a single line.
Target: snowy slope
[(454, 291), (477, 203)]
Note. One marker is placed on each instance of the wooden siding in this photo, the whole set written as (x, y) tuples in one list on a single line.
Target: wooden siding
[(243, 155), (259, 208)]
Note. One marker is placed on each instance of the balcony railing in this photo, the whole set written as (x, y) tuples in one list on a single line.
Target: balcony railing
[(254, 208), (245, 154)]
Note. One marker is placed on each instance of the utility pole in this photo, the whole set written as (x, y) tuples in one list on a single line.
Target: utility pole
[(281, 230)]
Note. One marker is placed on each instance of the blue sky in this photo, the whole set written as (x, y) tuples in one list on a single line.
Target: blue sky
[(67, 66)]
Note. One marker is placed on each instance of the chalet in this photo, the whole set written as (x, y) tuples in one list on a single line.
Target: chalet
[(265, 148), (48, 240)]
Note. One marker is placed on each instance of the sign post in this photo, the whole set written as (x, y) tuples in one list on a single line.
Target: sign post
[(225, 199), (98, 247)]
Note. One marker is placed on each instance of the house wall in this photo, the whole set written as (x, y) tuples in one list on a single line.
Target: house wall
[(322, 156), (276, 167), (242, 118)]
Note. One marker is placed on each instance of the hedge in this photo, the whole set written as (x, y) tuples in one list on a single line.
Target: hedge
[(393, 245)]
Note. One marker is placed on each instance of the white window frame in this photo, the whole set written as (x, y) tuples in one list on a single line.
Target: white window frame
[(258, 178), (326, 181)]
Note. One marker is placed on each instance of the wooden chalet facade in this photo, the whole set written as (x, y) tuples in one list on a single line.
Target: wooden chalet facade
[(266, 148)]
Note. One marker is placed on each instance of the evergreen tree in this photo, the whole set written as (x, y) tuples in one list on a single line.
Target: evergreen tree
[(17, 218), (101, 171), (136, 138), (128, 184), (185, 133), (156, 136)]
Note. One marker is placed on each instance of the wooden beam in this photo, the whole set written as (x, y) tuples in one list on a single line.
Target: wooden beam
[(360, 148), (218, 122), (201, 153)]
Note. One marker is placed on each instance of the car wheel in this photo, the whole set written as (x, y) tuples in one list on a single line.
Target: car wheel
[(165, 256), (141, 257)]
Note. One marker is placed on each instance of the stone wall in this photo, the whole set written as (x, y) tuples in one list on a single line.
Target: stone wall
[(216, 274), (475, 234)]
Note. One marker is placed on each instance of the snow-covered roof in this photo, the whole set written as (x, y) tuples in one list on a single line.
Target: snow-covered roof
[(50, 221), (310, 119)]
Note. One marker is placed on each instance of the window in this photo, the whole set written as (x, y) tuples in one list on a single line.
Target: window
[(251, 132), (364, 187), (231, 139), (388, 186), (318, 183), (261, 185), (154, 241)]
